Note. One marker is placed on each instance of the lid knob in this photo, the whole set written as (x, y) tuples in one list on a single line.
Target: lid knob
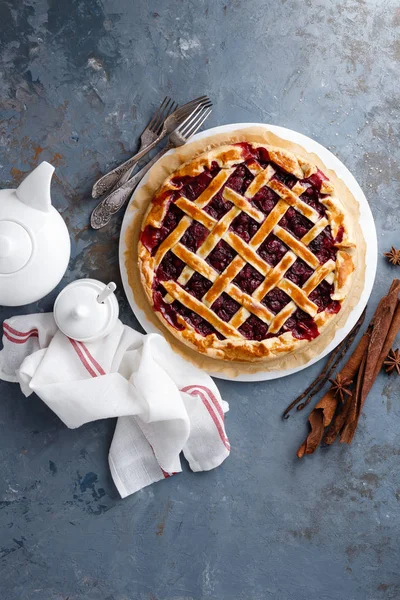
[(79, 312)]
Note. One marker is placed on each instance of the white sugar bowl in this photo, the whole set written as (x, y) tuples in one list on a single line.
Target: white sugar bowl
[(86, 310), (34, 240)]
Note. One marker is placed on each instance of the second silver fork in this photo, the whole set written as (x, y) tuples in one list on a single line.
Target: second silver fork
[(149, 134), (113, 202), (110, 179)]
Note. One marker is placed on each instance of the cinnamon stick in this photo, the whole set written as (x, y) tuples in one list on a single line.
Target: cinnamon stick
[(311, 443), (328, 403), (346, 434), (351, 407), (391, 336), (383, 322), (319, 418)]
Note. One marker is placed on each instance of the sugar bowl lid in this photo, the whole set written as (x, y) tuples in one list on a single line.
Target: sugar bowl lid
[(86, 310)]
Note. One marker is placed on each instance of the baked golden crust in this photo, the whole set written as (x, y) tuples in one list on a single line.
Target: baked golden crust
[(234, 345)]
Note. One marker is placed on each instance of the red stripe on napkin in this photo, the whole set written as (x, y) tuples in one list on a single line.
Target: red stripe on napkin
[(20, 333), (165, 473), (83, 358), (34, 334), (201, 391), (87, 359), (91, 359), (211, 396)]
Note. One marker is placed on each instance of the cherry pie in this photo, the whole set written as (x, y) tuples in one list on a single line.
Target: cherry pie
[(245, 253)]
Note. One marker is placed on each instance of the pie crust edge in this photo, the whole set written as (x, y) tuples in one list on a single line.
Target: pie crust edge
[(242, 349)]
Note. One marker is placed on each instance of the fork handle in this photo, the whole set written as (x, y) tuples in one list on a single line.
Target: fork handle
[(108, 181), (103, 212)]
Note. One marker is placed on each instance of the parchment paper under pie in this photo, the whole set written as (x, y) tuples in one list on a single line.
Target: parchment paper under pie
[(169, 164)]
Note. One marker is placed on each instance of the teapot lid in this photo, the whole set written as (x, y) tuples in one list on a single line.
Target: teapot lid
[(15, 247), (86, 310)]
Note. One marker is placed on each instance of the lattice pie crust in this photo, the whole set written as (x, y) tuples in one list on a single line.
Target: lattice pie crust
[(245, 253)]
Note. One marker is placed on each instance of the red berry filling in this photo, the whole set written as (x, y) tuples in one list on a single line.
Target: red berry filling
[(323, 246), (168, 311), (254, 329), (194, 236), (171, 311), (225, 307), (221, 256), (218, 207), (295, 223), (196, 321), (265, 200), (170, 267), (316, 180), (244, 226), (259, 154), (198, 285), (192, 187), (301, 325), (322, 297), (152, 238), (311, 196), (248, 279), (240, 179), (286, 178), (299, 272), (340, 234), (275, 300), (272, 250)]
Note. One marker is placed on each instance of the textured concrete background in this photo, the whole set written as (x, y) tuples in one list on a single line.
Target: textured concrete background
[(78, 81)]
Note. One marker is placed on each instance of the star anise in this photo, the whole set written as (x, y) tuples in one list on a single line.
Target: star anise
[(392, 362), (393, 256), (340, 387)]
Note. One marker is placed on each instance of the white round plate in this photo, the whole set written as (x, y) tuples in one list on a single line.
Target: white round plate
[(366, 222)]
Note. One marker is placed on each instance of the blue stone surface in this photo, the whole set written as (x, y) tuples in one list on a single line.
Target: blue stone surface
[(78, 81)]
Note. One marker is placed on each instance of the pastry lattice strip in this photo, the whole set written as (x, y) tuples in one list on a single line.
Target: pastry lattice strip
[(246, 253)]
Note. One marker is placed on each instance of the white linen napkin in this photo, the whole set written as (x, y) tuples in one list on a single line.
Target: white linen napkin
[(164, 404)]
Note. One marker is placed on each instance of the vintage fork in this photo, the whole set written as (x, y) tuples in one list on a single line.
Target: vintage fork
[(108, 181), (152, 131), (113, 202)]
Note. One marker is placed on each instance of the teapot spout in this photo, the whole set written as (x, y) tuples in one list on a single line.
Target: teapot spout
[(34, 191)]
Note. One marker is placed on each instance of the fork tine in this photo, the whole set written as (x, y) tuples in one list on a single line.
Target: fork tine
[(189, 106), (173, 108), (199, 122), (205, 116), (161, 117), (155, 116), (187, 123), (195, 125), (164, 114), (188, 119), (198, 100), (198, 108), (169, 112)]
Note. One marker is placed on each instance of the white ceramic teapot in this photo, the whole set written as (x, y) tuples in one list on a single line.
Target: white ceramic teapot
[(34, 240)]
